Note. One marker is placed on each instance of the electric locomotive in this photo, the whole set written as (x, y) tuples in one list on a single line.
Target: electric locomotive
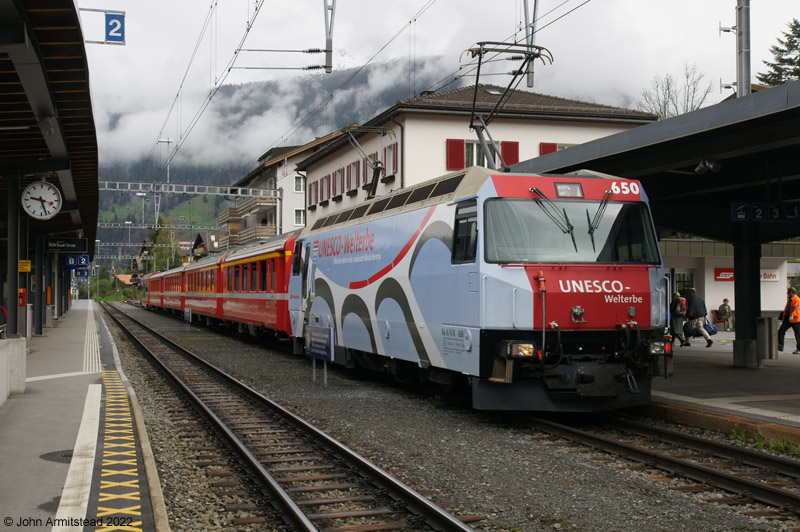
[(540, 292)]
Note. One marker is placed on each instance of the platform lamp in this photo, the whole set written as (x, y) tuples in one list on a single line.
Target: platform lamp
[(129, 224)]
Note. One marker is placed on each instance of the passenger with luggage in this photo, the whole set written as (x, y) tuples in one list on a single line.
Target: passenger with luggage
[(677, 311), (696, 315), (791, 319)]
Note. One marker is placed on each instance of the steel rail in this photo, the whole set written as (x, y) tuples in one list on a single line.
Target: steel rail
[(298, 517), (783, 466), (435, 515), (765, 494)]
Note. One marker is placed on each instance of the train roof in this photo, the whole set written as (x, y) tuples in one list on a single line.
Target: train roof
[(205, 262), (444, 189), (258, 248)]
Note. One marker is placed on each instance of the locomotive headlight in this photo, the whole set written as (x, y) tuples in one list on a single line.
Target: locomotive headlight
[(658, 347), (517, 349), (526, 350)]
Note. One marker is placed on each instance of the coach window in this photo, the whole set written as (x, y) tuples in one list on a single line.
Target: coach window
[(254, 277), (262, 265), (274, 274), (465, 238)]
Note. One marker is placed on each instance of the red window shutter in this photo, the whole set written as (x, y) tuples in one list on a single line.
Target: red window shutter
[(316, 191), (547, 147), (394, 158), (366, 170), (335, 185), (455, 154), (309, 188), (510, 152), (349, 177)]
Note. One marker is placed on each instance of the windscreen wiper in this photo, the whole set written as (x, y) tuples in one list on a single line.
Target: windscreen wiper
[(595, 223), (559, 218)]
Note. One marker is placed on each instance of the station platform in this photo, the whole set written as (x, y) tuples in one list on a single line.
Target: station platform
[(74, 454), (708, 391)]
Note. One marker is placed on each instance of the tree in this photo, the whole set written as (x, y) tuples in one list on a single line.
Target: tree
[(666, 98), (787, 58)]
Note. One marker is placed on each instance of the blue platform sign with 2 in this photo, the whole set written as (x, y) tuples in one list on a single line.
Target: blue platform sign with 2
[(115, 27)]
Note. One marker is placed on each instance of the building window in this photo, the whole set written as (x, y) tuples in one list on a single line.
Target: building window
[(473, 155), (299, 183), (390, 159), (461, 154), (299, 217), (353, 176)]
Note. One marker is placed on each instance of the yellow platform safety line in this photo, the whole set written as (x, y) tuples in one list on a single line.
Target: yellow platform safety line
[(119, 462), (130, 510), (107, 484), (113, 473), (119, 454), (132, 496)]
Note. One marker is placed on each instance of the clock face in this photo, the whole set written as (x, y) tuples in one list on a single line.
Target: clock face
[(41, 200)]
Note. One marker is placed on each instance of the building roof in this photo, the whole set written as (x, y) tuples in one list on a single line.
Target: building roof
[(521, 105), (277, 155)]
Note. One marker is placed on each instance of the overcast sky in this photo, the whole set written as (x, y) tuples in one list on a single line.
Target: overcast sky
[(605, 51)]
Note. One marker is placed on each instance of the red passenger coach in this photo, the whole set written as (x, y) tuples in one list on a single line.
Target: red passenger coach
[(173, 288), (254, 286), (204, 288), (152, 293)]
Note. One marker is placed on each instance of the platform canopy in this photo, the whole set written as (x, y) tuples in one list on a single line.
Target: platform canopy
[(47, 127), (702, 169)]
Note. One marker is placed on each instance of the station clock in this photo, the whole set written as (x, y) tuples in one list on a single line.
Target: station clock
[(41, 200)]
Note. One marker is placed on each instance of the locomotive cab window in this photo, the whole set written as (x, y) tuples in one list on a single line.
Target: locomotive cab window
[(465, 233), (554, 230)]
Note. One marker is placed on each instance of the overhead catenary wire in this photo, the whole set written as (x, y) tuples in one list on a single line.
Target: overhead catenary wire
[(176, 99), (218, 82), (473, 65), (313, 112)]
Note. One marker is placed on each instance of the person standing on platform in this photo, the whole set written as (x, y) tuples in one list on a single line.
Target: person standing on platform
[(677, 311), (791, 319), (696, 315), (724, 313)]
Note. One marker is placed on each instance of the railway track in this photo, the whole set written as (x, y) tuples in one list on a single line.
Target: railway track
[(316, 482), (712, 465)]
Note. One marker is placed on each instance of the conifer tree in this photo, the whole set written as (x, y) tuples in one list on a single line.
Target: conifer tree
[(786, 66)]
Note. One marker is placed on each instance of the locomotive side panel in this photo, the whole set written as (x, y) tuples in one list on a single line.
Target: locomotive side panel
[(390, 287)]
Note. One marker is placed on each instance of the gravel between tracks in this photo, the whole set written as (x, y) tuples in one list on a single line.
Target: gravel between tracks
[(478, 463)]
